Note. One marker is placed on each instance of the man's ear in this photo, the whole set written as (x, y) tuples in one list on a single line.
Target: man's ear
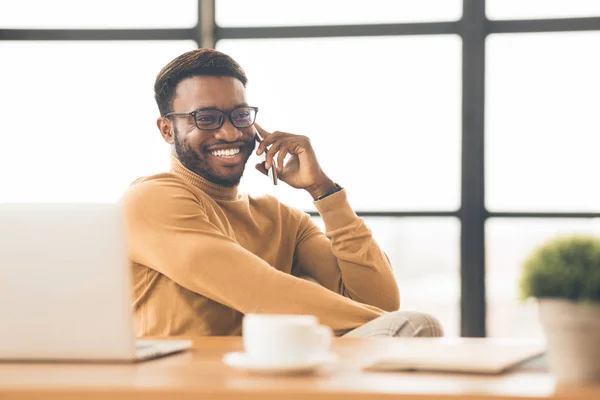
[(166, 129)]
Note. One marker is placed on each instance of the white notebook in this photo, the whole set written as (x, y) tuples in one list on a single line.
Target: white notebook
[(471, 355)]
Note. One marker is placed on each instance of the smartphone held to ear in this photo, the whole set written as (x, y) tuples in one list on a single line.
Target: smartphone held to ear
[(272, 172)]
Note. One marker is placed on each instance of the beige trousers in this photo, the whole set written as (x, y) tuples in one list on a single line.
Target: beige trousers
[(399, 324)]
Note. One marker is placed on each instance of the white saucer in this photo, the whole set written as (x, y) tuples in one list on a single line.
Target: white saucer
[(240, 360)]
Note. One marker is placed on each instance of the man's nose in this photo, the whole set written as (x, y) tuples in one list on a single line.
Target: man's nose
[(228, 132)]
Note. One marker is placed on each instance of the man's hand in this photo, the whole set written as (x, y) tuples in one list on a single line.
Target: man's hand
[(302, 171)]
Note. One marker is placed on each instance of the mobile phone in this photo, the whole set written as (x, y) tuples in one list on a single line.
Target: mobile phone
[(272, 172)]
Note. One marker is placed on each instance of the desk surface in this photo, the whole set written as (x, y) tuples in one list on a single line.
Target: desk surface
[(199, 373)]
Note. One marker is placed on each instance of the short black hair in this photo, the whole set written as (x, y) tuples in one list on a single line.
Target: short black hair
[(199, 62)]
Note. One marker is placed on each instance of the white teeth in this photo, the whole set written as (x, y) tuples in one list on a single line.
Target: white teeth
[(227, 153)]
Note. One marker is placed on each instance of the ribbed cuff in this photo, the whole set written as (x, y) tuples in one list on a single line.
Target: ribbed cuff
[(335, 211)]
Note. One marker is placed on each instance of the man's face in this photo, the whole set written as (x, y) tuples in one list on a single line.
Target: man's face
[(202, 151)]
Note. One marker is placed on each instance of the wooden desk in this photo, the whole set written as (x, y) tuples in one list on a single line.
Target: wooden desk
[(200, 374)]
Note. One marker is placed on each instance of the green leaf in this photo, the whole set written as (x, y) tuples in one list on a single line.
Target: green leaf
[(564, 267)]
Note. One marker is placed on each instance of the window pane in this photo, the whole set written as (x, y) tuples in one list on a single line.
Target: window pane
[(383, 114), (508, 243), (424, 253), (542, 122), (333, 12), (81, 118), (536, 9), (98, 14)]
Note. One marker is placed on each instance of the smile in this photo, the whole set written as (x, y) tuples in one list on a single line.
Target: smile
[(226, 153)]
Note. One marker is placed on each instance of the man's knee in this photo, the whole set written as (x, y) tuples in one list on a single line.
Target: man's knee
[(400, 324), (417, 324)]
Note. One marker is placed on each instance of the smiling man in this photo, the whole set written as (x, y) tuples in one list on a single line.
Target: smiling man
[(203, 255)]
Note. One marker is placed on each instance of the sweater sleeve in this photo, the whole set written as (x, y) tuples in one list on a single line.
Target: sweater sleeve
[(346, 259), (170, 231)]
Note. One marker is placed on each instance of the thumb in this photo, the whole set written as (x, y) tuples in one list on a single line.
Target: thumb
[(261, 168)]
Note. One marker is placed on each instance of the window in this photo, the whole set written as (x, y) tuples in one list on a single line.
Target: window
[(542, 122), (334, 12), (81, 118), (536, 9), (509, 242), (425, 257), (98, 14), (370, 122), (385, 111)]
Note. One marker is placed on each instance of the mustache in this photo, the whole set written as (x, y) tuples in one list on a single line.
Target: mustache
[(243, 144)]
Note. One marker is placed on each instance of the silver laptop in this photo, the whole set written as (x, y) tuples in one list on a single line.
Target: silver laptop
[(65, 289)]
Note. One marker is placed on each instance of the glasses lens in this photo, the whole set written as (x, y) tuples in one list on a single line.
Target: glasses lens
[(243, 117), (209, 119)]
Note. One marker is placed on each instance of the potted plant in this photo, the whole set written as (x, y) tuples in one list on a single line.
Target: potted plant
[(564, 276)]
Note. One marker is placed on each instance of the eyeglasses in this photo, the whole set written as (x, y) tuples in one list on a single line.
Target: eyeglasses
[(208, 119)]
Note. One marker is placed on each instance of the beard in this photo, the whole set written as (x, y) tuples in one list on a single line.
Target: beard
[(197, 161)]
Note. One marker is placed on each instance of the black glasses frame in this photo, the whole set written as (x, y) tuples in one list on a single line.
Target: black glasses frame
[(221, 122)]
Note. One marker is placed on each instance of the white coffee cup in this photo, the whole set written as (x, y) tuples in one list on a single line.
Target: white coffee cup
[(283, 338)]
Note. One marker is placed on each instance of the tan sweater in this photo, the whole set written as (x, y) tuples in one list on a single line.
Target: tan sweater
[(202, 255)]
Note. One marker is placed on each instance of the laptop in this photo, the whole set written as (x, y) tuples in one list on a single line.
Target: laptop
[(65, 286)]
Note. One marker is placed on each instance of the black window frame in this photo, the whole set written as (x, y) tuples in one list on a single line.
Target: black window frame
[(473, 28)]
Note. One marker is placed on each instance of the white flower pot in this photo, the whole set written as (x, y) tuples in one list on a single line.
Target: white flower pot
[(573, 337)]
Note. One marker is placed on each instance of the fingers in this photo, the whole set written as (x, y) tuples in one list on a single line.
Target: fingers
[(267, 141), (261, 132), (261, 168), (281, 158), (279, 144), (270, 154)]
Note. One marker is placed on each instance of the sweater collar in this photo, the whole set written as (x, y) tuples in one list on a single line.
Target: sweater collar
[(212, 189)]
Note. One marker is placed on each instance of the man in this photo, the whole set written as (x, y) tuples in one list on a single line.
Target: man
[(203, 255)]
